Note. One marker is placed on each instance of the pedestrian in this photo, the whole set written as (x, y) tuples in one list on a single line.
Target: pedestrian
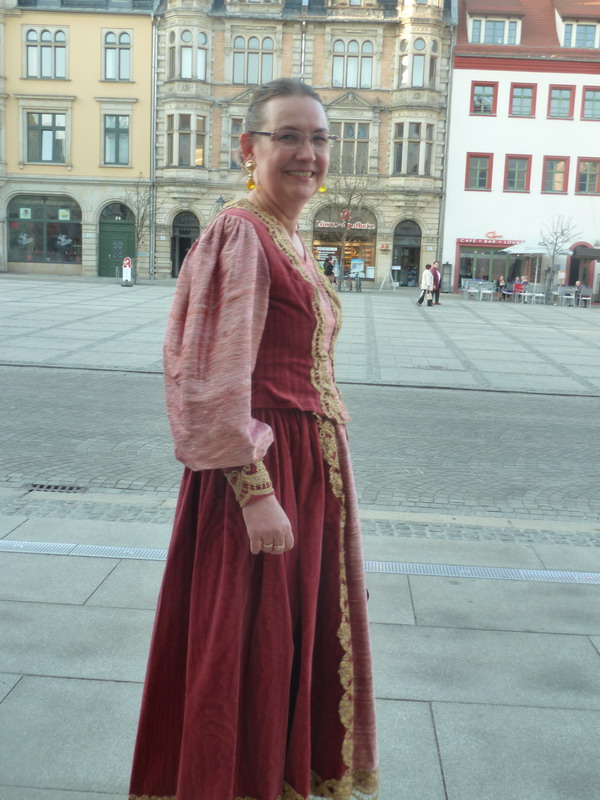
[(426, 286), (437, 282), (501, 287), (328, 269), (259, 676)]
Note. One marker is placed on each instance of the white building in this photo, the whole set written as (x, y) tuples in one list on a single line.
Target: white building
[(524, 139)]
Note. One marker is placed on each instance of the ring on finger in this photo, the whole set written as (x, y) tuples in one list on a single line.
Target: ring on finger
[(278, 546)]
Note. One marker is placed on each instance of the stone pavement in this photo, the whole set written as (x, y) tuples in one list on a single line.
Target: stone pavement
[(482, 537)]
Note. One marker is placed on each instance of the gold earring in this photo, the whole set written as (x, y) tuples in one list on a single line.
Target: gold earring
[(322, 188), (250, 166)]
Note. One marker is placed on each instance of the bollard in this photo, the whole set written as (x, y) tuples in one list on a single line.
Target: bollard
[(127, 272)]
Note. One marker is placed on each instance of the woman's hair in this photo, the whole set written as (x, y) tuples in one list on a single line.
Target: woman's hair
[(282, 87)]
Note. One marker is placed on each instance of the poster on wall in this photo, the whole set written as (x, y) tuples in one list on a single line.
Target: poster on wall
[(24, 213), (64, 214), (357, 265)]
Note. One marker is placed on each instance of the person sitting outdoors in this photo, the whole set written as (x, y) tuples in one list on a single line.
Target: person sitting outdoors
[(501, 287)]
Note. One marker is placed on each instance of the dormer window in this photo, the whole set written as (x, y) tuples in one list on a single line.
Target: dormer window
[(585, 35), (494, 31)]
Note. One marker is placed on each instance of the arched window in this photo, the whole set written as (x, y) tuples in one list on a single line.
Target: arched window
[(117, 56), (352, 64), (187, 55), (252, 60), (46, 53), (417, 64), (44, 228)]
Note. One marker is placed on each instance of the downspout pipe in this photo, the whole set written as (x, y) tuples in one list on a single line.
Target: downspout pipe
[(153, 122), (442, 218)]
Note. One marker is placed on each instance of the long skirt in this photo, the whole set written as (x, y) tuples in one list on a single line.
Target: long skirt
[(259, 677)]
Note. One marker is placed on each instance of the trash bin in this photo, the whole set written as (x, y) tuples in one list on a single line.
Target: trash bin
[(446, 278)]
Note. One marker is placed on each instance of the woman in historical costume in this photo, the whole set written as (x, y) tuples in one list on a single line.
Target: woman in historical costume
[(259, 679)]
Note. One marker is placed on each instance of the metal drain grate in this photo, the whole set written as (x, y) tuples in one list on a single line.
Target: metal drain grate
[(385, 567), (64, 488)]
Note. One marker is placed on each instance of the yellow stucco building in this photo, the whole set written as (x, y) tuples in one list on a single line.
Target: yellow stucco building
[(77, 146)]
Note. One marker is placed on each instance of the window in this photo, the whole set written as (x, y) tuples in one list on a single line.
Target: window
[(116, 139), (483, 98), (185, 140), (584, 35), (44, 228), (46, 53), (352, 64), (556, 175), (117, 56), (522, 100), (587, 176), (236, 128), (495, 31), (417, 67), (351, 152), (252, 60), (46, 134), (560, 102), (187, 55), (413, 148), (517, 173), (479, 171), (591, 103)]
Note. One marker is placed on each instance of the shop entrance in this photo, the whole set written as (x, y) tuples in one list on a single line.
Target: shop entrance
[(406, 254), (116, 239), (351, 230), (186, 230)]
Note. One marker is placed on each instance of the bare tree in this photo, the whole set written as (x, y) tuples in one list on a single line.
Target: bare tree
[(347, 198), (140, 200), (555, 236)]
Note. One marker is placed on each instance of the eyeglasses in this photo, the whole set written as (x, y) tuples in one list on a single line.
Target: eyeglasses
[(291, 140)]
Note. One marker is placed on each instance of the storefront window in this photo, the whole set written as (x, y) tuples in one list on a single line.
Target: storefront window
[(44, 229), (352, 230), (487, 264)]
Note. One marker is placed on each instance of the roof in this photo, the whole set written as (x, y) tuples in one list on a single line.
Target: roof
[(539, 35)]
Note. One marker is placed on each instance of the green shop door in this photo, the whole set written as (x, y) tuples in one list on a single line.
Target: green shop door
[(117, 239)]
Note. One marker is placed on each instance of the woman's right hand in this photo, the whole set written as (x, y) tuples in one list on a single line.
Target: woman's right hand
[(268, 526)]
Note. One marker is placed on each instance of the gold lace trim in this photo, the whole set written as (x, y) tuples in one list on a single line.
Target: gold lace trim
[(320, 377), (253, 480)]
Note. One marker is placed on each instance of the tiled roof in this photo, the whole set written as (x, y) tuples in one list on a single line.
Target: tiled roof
[(539, 36), (578, 9)]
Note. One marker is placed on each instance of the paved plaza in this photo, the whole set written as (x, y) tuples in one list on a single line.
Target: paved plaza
[(474, 439)]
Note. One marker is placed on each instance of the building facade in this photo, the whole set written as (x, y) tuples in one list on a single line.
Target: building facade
[(76, 147), (524, 141), (382, 71)]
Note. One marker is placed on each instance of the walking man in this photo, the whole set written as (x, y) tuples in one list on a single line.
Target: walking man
[(437, 282), (426, 287)]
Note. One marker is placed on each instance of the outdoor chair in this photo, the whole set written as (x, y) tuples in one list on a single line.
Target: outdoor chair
[(567, 298), (585, 298), (487, 291), (509, 290), (538, 295)]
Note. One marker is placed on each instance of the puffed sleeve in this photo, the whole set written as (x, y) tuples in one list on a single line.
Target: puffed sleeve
[(212, 341)]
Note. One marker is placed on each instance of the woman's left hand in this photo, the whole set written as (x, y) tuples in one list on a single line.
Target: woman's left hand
[(268, 526)]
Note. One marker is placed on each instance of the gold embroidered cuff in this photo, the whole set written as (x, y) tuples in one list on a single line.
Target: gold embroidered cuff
[(250, 482)]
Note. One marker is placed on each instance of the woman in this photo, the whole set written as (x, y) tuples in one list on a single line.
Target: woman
[(501, 287), (259, 682), (426, 286)]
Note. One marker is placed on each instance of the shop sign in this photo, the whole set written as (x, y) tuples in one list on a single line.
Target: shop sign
[(494, 242), (24, 213), (363, 226), (64, 214)]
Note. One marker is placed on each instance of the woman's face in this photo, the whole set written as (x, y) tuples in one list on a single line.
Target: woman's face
[(289, 177)]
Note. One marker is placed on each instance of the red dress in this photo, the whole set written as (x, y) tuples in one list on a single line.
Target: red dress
[(259, 678)]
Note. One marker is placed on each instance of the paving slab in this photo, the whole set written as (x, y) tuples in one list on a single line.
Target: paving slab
[(74, 641), (389, 599), (477, 666), (82, 741), (436, 551), (132, 584), (506, 605), (500, 753), (87, 531), (9, 522), (7, 682), (30, 793), (564, 557), (410, 766), (66, 579)]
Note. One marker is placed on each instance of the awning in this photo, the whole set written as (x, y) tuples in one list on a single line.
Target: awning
[(581, 251), (527, 248)]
